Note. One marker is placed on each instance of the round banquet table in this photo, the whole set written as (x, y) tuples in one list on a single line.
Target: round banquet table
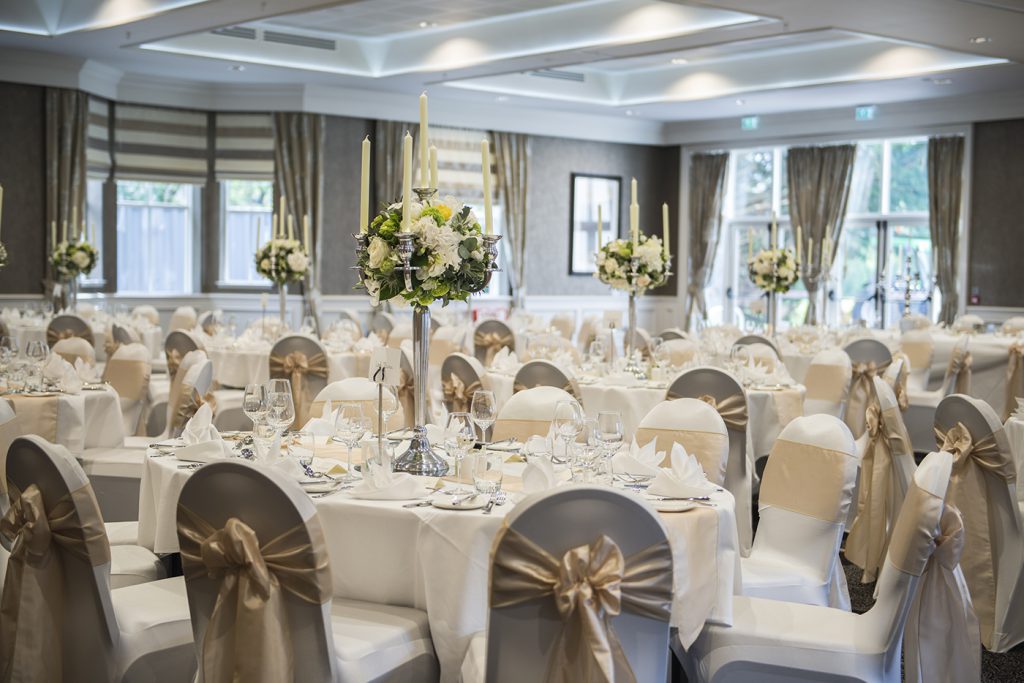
[(91, 419), (769, 410), (438, 560), (233, 367)]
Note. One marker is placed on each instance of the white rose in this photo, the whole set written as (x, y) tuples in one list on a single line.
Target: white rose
[(476, 255), (265, 264), (297, 261), (379, 252), (80, 259), (643, 281)]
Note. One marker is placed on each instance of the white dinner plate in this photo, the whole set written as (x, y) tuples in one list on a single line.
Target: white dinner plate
[(471, 504), (319, 485), (673, 505)]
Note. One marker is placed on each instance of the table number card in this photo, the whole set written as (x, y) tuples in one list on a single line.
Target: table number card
[(386, 366), (613, 318)]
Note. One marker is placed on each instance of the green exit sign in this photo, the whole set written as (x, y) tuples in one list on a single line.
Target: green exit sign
[(750, 123), (865, 113)]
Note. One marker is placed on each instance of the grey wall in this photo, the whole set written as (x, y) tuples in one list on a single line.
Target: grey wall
[(23, 176), (997, 214), (552, 162)]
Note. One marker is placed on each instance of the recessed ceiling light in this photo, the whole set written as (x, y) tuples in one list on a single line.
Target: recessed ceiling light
[(980, 40), (740, 102), (428, 24), (629, 112), (680, 60), (502, 98), (238, 67)]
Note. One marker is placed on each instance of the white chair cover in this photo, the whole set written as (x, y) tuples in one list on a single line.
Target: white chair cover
[(680, 351), (828, 383), (528, 413), (919, 348), (565, 323), (128, 371), (176, 346), (1013, 325), (303, 361), (461, 377), (183, 318), (694, 424), (356, 389), (869, 358), (753, 339), (66, 326), (674, 333), (381, 324), (73, 348), (147, 312)]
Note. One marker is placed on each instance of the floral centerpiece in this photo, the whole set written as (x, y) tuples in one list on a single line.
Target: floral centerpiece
[(3, 255), (71, 259), (773, 270), (282, 260), (614, 264), (447, 252)]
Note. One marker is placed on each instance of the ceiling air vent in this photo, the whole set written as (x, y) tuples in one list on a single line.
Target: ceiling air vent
[(298, 40), (236, 32), (559, 74)]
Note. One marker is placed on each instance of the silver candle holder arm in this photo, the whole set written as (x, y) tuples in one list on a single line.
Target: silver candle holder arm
[(362, 244)]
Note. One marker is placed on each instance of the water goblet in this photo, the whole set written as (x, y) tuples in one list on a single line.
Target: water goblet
[(349, 427), (568, 423), (280, 404), (254, 402), (484, 411), (459, 436), (37, 352)]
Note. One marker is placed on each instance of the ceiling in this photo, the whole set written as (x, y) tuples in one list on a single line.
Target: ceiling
[(655, 60)]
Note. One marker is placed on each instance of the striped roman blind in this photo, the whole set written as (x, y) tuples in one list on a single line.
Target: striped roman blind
[(97, 148), (458, 163), (154, 143), (244, 147)]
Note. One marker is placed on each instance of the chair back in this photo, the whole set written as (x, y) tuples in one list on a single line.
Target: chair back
[(528, 413), (674, 333), (752, 339), (177, 345), (903, 461), (919, 348), (1013, 325), (544, 373), (123, 335), (4, 330), (565, 323), (401, 331), (65, 326), (806, 491), (358, 390), (489, 337), (303, 361), (589, 329), (147, 312), (235, 522), (680, 351), (969, 323), (208, 322), (914, 321), (461, 376), (762, 354), (868, 357), (10, 429), (526, 630), (66, 628), (406, 389), (958, 371), (447, 340), (694, 424), (73, 348), (347, 314), (381, 324), (191, 393), (828, 383), (183, 318), (128, 371)]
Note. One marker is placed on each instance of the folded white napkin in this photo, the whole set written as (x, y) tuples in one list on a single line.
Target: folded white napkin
[(85, 371), (322, 426), (203, 442), (70, 382), (382, 484), (55, 367), (539, 475), (505, 361), (642, 462), (367, 344), (685, 478)]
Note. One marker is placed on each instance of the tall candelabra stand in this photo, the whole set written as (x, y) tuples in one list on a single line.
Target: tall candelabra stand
[(909, 279), (420, 458), (633, 365)]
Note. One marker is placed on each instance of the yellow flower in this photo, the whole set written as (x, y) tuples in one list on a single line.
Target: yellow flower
[(445, 212)]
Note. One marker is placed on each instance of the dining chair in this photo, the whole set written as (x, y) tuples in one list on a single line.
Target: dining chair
[(86, 628), (239, 525), (772, 640), (461, 376), (401, 331), (303, 361), (751, 339), (10, 429), (177, 344), (208, 322), (726, 395), (381, 324), (674, 333), (128, 371), (680, 351), (528, 413), (915, 321), (922, 403), (868, 357), (544, 373), (489, 337), (919, 348), (984, 490), (696, 426), (73, 348), (535, 619), (1013, 325), (148, 313), (183, 318), (349, 314), (67, 325), (565, 324), (828, 383), (354, 389)]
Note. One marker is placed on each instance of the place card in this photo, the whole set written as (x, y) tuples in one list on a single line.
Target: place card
[(613, 318), (386, 366)]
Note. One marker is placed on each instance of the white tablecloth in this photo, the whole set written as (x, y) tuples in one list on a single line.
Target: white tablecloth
[(990, 355), (438, 560), (91, 419), (1015, 433), (238, 367)]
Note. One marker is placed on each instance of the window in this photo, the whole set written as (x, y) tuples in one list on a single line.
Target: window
[(246, 222), (155, 235), (497, 286), (94, 228)]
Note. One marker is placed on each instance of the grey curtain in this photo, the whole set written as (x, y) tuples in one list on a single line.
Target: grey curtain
[(298, 173), (512, 155), (819, 185), (387, 160), (945, 183), (707, 185), (67, 113)]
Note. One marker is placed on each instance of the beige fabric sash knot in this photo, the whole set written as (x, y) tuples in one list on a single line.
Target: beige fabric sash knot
[(9, 431), (405, 391), (589, 584), (710, 448), (32, 606), (189, 402), (1014, 379), (733, 410), (808, 480), (174, 358), (869, 534), (493, 342), (960, 368), (110, 345), (899, 385), (457, 395), (974, 466), (248, 637), (53, 335), (295, 366), (862, 392)]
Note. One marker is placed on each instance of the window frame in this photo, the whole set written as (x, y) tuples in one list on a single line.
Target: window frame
[(221, 282)]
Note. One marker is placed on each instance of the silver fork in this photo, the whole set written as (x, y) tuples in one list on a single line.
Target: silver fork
[(497, 499)]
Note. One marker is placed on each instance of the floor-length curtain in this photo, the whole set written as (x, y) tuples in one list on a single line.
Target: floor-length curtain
[(945, 183), (387, 160), (511, 155), (819, 185), (67, 113), (707, 185)]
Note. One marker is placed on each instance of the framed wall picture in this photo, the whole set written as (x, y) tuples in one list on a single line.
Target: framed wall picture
[(590, 194)]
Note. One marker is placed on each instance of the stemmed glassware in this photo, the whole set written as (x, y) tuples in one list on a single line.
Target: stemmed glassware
[(254, 402), (609, 430), (388, 407), (568, 423), (349, 427), (37, 351), (595, 353), (280, 404), (459, 436), (484, 411), (8, 351)]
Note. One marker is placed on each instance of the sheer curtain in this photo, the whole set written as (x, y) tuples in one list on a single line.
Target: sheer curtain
[(707, 185), (511, 155), (945, 185), (67, 113), (819, 186)]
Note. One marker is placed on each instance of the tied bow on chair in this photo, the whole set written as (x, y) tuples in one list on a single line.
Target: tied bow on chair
[(295, 366), (1014, 378), (187, 407), (733, 410), (110, 346), (960, 369), (589, 585), (861, 391), (32, 606), (53, 335), (493, 342), (457, 395), (248, 636), (974, 463)]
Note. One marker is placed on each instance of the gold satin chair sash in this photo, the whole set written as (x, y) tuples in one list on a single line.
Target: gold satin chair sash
[(248, 637), (1014, 379), (862, 392), (589, 585), (899, 384), (54, 335), (493, 342), (37, 414), (918, 353), (960, 369), (869, 533), (827, 382), (457, 394), (913, 535), (807, 480), (174, 358), (130, 378), (9, 431), (733, 410), (295, 366), (110, 345), (521, 430), (405, 391), (188, 403), (42, 537), (974, 465), (710, 448)]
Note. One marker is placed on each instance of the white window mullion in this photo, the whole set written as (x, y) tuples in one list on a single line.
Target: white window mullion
[(886, 175)]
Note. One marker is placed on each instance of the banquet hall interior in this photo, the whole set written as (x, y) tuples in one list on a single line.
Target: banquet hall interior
[(511, 340)]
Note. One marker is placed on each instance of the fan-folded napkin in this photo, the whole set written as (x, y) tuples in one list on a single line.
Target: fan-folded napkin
[(685, 478), (383, 484), (539, 475), (203, 442), (85, 371), (505, 361), (639, 461)]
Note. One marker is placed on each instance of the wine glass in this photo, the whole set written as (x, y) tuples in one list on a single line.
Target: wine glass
[(483, 410), (254, 401), (280, 404), (459, 435), (8, 350), (609, 430), (349, 427), (37, 351), (388, 407), (596, 352), (568, 423)]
